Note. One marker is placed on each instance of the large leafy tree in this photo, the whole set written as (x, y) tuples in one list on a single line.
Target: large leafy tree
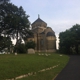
[(5, 44), (4, 1), (70, 40), (67, 40), (76, 29), (14, 21)]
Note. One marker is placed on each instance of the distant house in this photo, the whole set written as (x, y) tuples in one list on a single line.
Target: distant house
[(43, 36)]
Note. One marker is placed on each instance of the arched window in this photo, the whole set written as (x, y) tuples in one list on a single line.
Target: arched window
[(42, 42)]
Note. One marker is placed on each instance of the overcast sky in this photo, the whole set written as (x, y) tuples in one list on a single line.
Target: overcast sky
[(58, 14)]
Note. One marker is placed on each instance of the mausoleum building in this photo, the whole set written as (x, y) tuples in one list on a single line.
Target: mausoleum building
[(43, 36)]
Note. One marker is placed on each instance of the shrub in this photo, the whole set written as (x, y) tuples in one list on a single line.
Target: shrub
[(30, 44), (20, 48)]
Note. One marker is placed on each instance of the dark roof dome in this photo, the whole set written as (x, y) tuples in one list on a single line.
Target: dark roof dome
[(50, 34), (39, 20)]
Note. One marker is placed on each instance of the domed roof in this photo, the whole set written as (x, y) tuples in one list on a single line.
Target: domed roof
[(50, 34), (39, 20)]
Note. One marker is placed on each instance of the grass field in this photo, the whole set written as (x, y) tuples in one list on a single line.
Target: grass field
[(12, 66)]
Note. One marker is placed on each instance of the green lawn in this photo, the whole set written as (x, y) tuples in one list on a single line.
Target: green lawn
[(12, 66)]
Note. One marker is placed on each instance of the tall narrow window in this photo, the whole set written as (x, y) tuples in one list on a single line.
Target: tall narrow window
[(42, 42)]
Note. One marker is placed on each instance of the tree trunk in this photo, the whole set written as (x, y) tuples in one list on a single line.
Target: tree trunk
[(77, 50), (16, 41)]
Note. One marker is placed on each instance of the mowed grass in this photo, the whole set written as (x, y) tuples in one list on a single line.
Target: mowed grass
[(12, 66)]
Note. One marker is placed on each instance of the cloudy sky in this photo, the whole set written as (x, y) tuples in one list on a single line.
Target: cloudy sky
[(58, 14)]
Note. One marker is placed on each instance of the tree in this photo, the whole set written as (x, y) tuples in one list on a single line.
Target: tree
[(14, 21), (4, 1), (76, 30), (70, 40), (67, 40), (5, 43)]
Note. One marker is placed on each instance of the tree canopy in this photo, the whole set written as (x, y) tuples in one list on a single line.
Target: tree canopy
[(4, 1), (14, 21), (70, 40)]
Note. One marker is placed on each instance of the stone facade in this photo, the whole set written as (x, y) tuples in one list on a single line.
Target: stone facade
[(43, 36)]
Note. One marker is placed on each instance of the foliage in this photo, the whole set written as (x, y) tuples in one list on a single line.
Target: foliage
[(5, 43), (12, 66), (4, 1), (14, 21), (30, 44), (20, 48), (70, 40)]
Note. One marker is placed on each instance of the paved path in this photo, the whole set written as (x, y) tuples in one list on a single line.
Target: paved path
[(72, 70)]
